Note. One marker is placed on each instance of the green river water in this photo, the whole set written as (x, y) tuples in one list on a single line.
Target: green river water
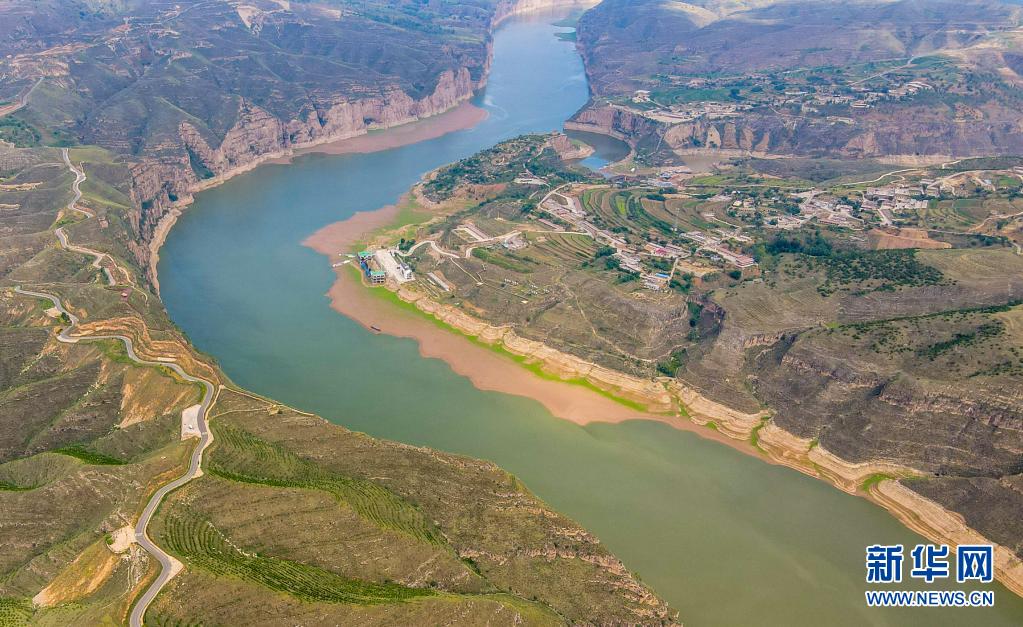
[(726, 538)]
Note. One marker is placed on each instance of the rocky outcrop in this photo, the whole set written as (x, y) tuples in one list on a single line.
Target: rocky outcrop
[(163, 185), (864, 413), (933, 520), (898, 135), (614, 121), (567, 150), (159, 185)]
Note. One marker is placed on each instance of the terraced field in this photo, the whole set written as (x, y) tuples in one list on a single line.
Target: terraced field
[(560, 249), (242, 457), (964, 213), (200, 544), (641, 211), (334, 523)]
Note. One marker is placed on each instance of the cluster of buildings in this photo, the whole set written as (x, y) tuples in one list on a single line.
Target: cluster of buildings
[(713, 246), (813, 205), (866, 98), (894, 199), (829, 211), (381, 264), (854, 96), (807, 100), (687, 112)]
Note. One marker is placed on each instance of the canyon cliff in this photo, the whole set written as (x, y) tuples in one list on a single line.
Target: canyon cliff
[(209, 93)]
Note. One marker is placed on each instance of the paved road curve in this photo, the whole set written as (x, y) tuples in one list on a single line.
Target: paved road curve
[(73, 206), (168, 565)]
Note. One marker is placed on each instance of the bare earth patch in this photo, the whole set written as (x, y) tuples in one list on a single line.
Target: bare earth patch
[(904, 238)]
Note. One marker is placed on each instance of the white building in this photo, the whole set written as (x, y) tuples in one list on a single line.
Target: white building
[(394, 268)]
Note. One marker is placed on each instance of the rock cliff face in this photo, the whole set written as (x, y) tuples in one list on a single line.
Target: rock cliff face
[(194, 159), (907, 134), (613, 121), (257, 135), (863, 413)]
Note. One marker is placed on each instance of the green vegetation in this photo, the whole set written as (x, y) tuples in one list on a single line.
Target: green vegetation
[(197, 165), (508, 261), (879, 270), (83, 454), (15, 612), (885, 269), (669, 368), (875, 479), (501, 164), (990, 329), (754, 436), (946, 314), (239, 456), (6, 486), (199, 543), (115, 351), (16, 131)]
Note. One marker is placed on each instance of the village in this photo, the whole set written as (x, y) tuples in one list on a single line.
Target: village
[(661, 227), (691, 99)]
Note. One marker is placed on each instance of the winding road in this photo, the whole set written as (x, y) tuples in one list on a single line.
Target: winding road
[(168, 565), (73, 206), (22, 100)]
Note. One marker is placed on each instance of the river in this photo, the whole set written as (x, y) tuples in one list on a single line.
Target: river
[(726, 538)]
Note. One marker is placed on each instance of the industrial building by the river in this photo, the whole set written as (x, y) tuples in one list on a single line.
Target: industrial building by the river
[(380, 264)]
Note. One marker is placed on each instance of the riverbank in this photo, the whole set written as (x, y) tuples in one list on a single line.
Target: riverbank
[(460, 114), (463, 116), (493, 358)]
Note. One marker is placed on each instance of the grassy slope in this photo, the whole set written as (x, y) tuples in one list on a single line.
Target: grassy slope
[(294, 516), (304, 507)]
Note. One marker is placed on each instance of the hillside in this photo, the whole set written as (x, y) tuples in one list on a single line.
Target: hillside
[(861, 331), (294, 519), (905, 79), (182, 92)]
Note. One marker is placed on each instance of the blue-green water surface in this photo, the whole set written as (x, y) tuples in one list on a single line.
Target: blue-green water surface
[(726, 538)]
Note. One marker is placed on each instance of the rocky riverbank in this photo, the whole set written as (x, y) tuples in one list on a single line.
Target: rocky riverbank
[(754, 433)]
